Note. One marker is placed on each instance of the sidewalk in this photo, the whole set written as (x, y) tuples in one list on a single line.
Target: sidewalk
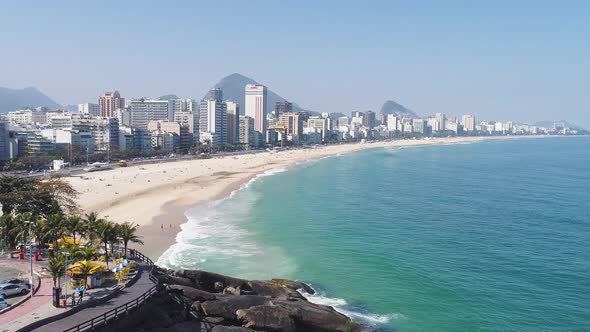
[(142, 285), (30, 308)]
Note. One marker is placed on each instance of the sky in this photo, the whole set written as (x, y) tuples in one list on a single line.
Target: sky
[(500, 60)]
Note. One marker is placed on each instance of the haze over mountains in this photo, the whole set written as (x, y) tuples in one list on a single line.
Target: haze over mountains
[(232, 86), (15, 99)]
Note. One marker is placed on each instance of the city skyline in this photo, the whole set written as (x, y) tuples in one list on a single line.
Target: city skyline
[(524, 64)]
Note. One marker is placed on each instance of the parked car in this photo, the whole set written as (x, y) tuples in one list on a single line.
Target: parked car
[(10, 290), (16, 282)]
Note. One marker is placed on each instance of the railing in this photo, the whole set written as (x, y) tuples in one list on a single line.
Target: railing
[(123, 309)]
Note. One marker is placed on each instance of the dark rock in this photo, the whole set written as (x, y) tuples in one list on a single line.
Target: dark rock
[(267, 318), (227, 307), (221, 328), (232, 291), (191, 293), (315, 316)]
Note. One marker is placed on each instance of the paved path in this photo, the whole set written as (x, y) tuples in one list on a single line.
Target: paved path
[(142, 285), (30, 306)]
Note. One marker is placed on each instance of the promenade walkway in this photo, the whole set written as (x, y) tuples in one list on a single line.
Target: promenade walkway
[(29, 309), (142, 285)]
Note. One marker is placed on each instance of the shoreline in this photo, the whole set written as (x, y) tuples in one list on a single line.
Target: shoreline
[(159, 199)]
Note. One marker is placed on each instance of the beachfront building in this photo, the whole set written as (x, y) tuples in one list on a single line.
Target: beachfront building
[(293, 124), (213, 118), (468, 122), (109, 102), (143, 110), (189, 119), (256, 108), (247, 135), (233, 122)]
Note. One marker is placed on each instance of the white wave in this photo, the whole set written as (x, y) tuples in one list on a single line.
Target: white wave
[(342, 307)]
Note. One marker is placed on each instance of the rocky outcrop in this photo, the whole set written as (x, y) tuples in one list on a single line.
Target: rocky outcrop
[(226, 304)]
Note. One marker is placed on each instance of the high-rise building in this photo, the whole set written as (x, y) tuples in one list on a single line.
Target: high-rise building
[(247, 133), (183, 105), (109, 102), (4, 140), (89, 108), (293, 124), (356, 114), (143, 111), (182, 140), (419, 126), (320, 125), (369, 119), (190, 120), (468, 122), (282, 107), (213, 118), (233, 122), (392, 122), (343, 121), (439, 124), (256, 107)]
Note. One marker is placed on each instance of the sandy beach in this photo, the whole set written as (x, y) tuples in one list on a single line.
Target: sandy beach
[(156, 196)]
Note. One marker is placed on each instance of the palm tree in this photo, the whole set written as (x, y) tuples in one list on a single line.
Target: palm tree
[(85, 253), (53, 229), (74, 224), (85, 268), (56, 267), (91, 222), (106, 233), (127, 233)]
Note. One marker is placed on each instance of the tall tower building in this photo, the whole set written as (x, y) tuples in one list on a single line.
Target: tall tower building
[(142, 111), (283, 107), (293, 124), (256, 107), (440, 122), (247, 134), (468, 122), (213, 118), (108, 103), (233, 122)]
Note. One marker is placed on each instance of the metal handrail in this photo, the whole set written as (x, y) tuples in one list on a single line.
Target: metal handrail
[(123, 309)]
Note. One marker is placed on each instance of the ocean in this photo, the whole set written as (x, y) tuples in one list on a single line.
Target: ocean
[(488, 236)]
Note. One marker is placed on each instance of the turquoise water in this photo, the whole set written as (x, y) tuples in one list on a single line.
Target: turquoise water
[(490, 236)]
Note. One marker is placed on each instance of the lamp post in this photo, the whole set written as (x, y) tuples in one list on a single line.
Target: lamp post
[(30, 223), (65, 253)]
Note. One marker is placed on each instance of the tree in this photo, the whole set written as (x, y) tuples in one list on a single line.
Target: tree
[(85, 253), (53, 229), (56, 267), (75, 225), (85, 268), (42, 198), (9, 231), (91, 223), (106, 234), (127, 233)]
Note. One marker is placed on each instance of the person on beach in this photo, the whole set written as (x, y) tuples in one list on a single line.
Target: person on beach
[(162, 227)]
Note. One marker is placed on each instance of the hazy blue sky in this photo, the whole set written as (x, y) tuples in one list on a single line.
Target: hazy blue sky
[(522, 60)]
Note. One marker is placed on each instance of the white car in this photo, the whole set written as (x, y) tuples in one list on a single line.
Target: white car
[(13, 289)]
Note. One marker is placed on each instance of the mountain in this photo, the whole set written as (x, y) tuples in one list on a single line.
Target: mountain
[(562, 123), (391, 107), (15, 99), (169, 97), (233, 88)]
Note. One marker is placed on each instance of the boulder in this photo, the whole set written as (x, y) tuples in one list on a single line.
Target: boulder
[(267, 318), (221, 328), (315, 316), (191, 293), (232, 291), (226, 307)]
